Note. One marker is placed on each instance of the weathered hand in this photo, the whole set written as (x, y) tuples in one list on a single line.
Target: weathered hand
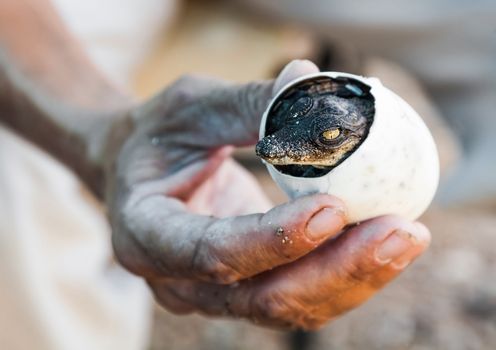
[(335, 278), (292, 266)]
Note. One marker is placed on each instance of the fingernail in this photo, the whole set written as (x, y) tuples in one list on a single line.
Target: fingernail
[(397, 244), (299, 67), (325, 222), (405, 260)]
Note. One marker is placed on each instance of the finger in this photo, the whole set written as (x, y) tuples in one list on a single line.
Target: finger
[(249, 101), (175, 243), (199, 173), (324, 284), (219, 112), (359, 293), (340, 275), (292, 71), (150, 175)]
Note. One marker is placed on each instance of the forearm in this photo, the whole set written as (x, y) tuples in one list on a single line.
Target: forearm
[(51, 93)]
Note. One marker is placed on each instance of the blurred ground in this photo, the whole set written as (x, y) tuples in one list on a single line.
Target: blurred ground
[(446, 300)]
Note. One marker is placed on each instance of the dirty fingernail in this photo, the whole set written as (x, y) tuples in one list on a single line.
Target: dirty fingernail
[(326, 222), (397, 244)]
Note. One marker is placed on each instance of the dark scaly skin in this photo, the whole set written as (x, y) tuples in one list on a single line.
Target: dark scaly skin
[(301, 119)]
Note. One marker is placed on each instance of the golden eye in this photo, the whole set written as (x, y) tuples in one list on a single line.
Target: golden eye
[(331, 134)]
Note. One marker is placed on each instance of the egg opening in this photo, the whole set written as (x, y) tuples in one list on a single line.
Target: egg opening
[(316, 124)]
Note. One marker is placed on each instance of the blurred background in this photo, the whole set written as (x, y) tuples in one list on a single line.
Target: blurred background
[(447, 300), (439, 56)]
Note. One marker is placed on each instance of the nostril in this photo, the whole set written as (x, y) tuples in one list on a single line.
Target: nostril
[(270, 148)]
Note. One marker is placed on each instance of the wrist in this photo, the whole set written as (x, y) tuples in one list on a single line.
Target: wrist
[(103, 138)]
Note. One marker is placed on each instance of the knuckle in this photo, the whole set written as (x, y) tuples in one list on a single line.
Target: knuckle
[(358, 273), (286, 312), (182, 89), (208, 266), (270, 306), (185, 80), (250, 96)]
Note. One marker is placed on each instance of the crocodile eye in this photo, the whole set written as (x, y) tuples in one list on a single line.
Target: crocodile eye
[(330, 138), (331, 134), (300, 107)]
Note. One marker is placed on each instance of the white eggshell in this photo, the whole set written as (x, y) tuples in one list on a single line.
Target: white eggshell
[(394, 171)]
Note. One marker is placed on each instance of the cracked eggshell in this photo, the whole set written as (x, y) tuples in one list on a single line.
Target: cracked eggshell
[(394, 171)]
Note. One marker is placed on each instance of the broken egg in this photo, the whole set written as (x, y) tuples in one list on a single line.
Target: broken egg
[(351, 137)]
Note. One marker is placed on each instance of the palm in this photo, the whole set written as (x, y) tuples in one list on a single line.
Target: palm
[(229, 191)]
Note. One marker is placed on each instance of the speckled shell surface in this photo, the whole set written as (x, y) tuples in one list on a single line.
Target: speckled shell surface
[(394, 171)]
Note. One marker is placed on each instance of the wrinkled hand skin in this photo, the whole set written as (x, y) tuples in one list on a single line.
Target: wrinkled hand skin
[(198, 228)]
